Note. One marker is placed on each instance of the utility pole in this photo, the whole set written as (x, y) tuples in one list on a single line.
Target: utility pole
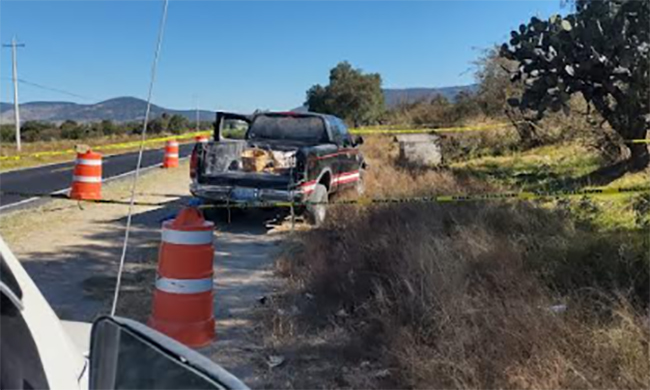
[(13, 46)]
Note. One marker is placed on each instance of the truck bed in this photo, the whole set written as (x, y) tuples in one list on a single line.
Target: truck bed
[(247, 179)]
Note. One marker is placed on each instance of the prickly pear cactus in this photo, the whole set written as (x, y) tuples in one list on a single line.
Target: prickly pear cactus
[(601, 50)]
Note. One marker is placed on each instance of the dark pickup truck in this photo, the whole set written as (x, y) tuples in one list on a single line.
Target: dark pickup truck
[(311, 157)]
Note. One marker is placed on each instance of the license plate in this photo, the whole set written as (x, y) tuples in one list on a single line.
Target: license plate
[(244, 194)]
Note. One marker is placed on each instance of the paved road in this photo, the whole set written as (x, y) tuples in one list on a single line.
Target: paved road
[(58, 177)]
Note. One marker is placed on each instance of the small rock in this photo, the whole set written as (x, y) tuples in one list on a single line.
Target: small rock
[(381, 373), (275, 361), (558, 308), (262, 300), (342, 313), (309, 296)]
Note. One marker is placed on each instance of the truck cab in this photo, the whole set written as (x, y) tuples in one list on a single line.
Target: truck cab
[(302, 158)]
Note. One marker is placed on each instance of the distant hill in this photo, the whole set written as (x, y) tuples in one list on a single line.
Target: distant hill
[(126, 109), (122, 109), (394, 96)]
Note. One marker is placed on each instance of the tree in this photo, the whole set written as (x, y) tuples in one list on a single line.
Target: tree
[(494, 86), (600, 51), (107, 127), (351, 95), (177, 123)]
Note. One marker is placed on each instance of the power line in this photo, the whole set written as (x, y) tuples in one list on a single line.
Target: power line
[(52, 89)]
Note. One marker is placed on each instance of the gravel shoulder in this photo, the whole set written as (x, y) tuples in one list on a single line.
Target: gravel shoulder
[(72, 250)]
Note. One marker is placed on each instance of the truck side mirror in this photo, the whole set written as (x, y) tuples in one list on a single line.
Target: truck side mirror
[(125, 354)]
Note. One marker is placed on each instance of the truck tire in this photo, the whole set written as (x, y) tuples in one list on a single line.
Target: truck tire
[(316, 213)]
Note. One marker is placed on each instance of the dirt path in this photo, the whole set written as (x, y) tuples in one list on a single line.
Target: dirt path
[(72, 252)]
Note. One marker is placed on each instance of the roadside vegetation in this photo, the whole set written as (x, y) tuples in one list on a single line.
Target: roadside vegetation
[(547, 293), (504, 294), (40, 138)]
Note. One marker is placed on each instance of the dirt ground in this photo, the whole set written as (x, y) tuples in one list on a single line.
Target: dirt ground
[(72, 252)]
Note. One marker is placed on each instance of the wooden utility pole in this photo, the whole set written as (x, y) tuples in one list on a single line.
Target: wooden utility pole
[(13, 46)]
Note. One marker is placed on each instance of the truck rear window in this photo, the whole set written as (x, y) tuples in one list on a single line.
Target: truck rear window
[(288, 128)]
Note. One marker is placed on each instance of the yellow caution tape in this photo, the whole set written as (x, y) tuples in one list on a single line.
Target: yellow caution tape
[(589, 192), (530, 195), (123, 145), (424, 131), (639, 141)]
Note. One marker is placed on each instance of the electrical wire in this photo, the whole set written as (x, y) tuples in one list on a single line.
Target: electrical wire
[(51, 89), (154, 67)]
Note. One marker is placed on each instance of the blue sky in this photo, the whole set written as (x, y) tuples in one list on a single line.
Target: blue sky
[(246, 55)]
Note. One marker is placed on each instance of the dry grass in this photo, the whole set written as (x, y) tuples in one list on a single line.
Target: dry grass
[(466, 295)]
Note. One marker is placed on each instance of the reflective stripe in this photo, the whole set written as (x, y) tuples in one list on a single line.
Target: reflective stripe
[(172, 144), (197, 237), (171, 155), (92, 163), (347, 177), (184, 286), (87, 179)]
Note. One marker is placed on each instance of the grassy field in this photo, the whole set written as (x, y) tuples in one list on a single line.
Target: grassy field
[(499, 294)]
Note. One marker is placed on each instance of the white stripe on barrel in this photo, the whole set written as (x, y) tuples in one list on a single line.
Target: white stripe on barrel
[(87, 179), (184, 286), (172, 143), (196, 237), (89, 162), (171, 155)]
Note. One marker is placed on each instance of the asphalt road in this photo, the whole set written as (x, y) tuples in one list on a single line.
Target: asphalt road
[(58, 177)]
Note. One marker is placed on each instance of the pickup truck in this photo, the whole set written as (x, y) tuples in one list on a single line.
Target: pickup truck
[(310, 157)]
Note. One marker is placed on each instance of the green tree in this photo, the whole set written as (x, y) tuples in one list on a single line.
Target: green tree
[(494, 85), (71, 130), (602, 51), (177, 123), (30, 131), (108, 127), (350, 94)]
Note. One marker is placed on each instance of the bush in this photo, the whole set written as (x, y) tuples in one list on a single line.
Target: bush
[(461, 296), (7, 133)]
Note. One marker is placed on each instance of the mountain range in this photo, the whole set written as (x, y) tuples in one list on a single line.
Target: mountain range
[(125, 109), (122, 109)]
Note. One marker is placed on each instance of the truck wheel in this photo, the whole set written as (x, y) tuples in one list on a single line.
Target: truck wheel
[(316, 213)]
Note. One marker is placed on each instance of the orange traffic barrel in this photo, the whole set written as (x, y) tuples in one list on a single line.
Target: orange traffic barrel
[(183, 298), (87, 176), (171, 154), (202, 139)]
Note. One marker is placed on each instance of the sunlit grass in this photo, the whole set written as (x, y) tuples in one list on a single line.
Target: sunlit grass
[(556, 168)]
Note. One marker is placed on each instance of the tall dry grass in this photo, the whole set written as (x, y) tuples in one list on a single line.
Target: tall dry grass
[(509, 295)]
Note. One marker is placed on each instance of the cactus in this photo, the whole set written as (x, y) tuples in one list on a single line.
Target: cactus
[(602, 51)]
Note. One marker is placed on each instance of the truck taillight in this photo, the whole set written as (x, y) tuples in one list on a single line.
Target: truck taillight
[(194, 164)]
